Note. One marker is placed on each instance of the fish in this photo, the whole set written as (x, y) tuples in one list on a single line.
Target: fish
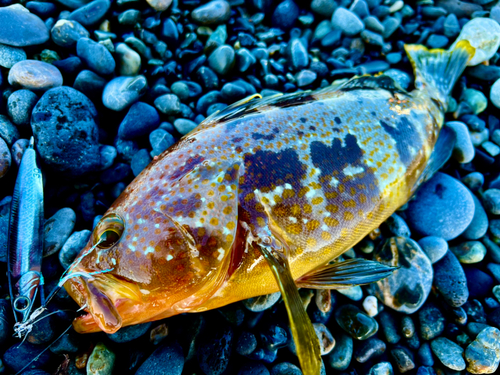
[(25, 239), (264, 196)]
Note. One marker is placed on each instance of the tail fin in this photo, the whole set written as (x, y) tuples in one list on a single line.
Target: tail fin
[(439, 69)]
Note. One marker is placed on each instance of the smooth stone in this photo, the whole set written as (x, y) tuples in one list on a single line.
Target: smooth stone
[(347, 21), (463, 151), (469, 252), (382, 368), (160, 140), (495, 93), (434, 247), (212, 13), (8, 132), (121, 92), (297, 54), (402, 78), (159, 5), (141, 119), (479, 224), (64, 345), (72, 247), (214, 349), (18, 149), (5, 158), (354, 293), (326, 340), (129, 61), (432, 322), (475, 100), (18, 356), (491, 148), (168, 104), (483, 354), (246, 343), (129, 333), (340, 357), (221, 60), (443, 207), (285, 368), (355, 322), (474, 182), (101, 361), (479, 283), (370, 305), (285, 15), (437, 41), (305, 77), (20, 105), (491, 201), (369, 349), (91, 13), (407, 288), (140, 160), (450, 280), (261, 303), (397, 226), (323, 7), (424, 354), (89, 83), (21, 28), (96, 56), (70, 65), (484, 35), (9, 56), (402, 359), (451, 26), (108, 155), (35, 75), (41, 9), (184, 126), (57, 229), (253, 368), (449, 353), (389, 327), (66, 134), (66, 33)]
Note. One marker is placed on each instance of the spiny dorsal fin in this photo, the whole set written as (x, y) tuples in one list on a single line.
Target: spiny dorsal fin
[(371, 82)]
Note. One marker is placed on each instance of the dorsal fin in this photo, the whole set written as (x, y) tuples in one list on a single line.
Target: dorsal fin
[(371, 82)]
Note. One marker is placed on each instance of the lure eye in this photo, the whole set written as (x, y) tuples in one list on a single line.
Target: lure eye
[(21, 303), (108, 231)]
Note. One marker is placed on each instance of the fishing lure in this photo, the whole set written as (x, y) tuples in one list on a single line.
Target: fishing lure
[(25, 240), (263, 196)]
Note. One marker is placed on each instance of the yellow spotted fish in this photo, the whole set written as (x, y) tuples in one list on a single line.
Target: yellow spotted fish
[(263, 196)]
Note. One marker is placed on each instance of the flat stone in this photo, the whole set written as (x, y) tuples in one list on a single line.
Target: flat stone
[(66, 33), (9, 56), (469, 252), (479, 224), (222, 59), (121, 92), (21, 29), (347, 21), (184, 126), (355, 322), (168, 104), (434, 247), (141, 119), (450, 280), (214, 12), (91, 13), (449, 353), (407, 288), (101, 361), (20, 105), (159, 5), (72, 247), (35, 75), (463, 151), (129, 61), (96, 56), (483, 354), (340, 357), (57, 229)]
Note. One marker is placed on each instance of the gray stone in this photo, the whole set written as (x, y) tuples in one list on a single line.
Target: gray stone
[(140, 160), (160, 140), (214, 12), (347, 21), (72, 247), (91, 13), (479, 224), (491, 200), (57, 229), (449, 353), (21, 28), (323, 7), (434, 247), (8, 132), (407, 288), (121, 92), (450, 280), (66, 33), (222, 59), (101, 361), (95, 55), (159, 5), (9, 55), (355, 322), (184, 126), (129, 61), (5, 158), (340, 357), (20, 105), (35, 75), (432, 321), (261, 303), (382, 368), (463, 151), (168, 104), (483, 354), (469, 252)]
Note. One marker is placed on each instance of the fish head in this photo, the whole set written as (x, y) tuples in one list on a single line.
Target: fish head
[(146, 261)]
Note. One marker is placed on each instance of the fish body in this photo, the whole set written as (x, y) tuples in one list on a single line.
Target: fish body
[(25, 245), (306, 174)]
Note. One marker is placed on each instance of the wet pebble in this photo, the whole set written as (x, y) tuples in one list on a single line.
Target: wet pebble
[(222, 59), (57, 229), (141, 119), (213, 12), (101, 361), (160, 140), (432, 321), (491, 201), (253, 368), (483, 354), (8, 132), (140, 160), (355, 322), (389, 327), (68, 343), (65, 130), (479, 224), (347, 21), (213, 350), (9, 56), (261, 303), (121, 92), (72, 247), (128, 61), (463, 151), (479, 282), (184, 126), (89, 83), (434, 247), (382, 368), (129, 333), (369, 349), (21, 28), (66, 33), (285, 15), (443, 207), (407, 288), (450, 280), (469, 252), (168, 104), (35, 75), (285, 368), (96, 56), (403, 361), (18, 356), (449, 353), (340, 357), (91, 13), (20, 105)]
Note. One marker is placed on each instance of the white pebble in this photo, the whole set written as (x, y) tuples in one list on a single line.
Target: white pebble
[(354, 293), (370, 304), (495, 93)]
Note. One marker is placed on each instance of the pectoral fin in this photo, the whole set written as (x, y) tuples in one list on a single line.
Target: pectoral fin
[(345, 274), (305, 338)]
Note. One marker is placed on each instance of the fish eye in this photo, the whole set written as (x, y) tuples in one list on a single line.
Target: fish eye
[(108, 231), (21, 303)]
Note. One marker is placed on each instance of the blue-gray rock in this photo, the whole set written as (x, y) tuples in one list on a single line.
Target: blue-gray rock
[(89, 83), (285, 15), (40, 8), (169, 104), (129, 333), (443, 207), (128, 61), (424, 354), (451, 26), (305, 77), (355, 322), (222, 59), (246, 343), (491, 200), (401, 78), (18, 356), (72, 247), (469, 252), (347, 21), (95, 55), (5, 158), (160, 140), (206, 101), (474, 181), (70, 65), (66, 135), (91, 13), (57, 229), (450, 280), (108, 155), (140, 160), (66, 33), (285, 368), (407, 288), (66, 344), (18, 149), (21, 28), (4, 230), (432, 321), (369, 349), (463, 151), (184, 126), (434, 247), (479, 224), (437, 41), (20, 105), (9, 56), (8, 132), (479, 283), (402, 359), (233, 92), (261, 303), (214, 349), (35, 75), (323, 7), (253, 368), (141, 119), (483, 354), (389, 327), (449, 353), (397, 226), (212, 13), (121, 92), (382, 368)]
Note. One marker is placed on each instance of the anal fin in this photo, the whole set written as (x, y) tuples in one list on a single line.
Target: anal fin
[(305, 338), (345, 274)]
